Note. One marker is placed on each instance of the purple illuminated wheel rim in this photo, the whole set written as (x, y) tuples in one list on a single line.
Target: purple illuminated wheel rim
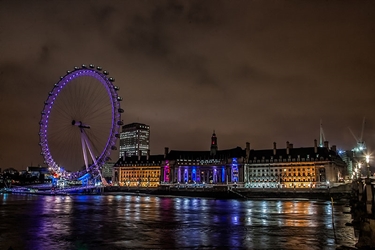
[(85, 94)]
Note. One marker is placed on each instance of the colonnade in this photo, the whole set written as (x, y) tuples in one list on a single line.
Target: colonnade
[(202, 174)]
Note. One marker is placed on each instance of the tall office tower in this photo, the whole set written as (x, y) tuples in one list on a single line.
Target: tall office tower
[(134, 137)]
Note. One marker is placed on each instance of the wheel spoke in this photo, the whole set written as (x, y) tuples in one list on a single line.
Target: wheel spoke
[(81, 114)]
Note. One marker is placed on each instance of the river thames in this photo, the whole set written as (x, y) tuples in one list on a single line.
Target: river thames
[(149, 222)]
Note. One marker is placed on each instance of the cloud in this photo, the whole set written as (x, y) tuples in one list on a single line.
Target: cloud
[(253, 71)]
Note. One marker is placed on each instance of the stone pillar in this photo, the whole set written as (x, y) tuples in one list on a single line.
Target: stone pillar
[(228, 175), (366, 239), (360, 190), (162, 174), (179, 174), (245, 173), (240, 173), (369, 196), (175, 174)]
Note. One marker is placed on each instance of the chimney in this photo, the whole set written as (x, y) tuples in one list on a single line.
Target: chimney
[(148, 154), (315, 146), (166, 152), (274, 148), (290, 145), (326, 144), (333, 148), (247, 150), (139, 154), (287, 147)]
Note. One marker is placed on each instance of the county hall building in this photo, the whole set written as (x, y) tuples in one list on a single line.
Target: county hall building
[(203, 167), (289, 167)]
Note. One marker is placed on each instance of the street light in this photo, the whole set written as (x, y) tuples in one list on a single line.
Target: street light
[(368, 165)]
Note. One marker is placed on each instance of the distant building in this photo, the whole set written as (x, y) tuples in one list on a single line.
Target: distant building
[(348, 157), (37, 170), (10, 171), (107, 170), (293, 167), (356, 162), (289, 167), (134, 137), (310, 167), (203, 167), (138, 170)]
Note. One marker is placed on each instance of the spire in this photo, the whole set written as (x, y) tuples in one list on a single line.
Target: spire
[(213, 144)]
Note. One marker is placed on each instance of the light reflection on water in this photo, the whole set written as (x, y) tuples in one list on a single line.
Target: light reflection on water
[(124, 221)]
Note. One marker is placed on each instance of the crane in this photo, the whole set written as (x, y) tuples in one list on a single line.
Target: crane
[(322, 137), (361, 145)]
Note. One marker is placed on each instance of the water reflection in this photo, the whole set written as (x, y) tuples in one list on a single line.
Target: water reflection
[(117, 221)]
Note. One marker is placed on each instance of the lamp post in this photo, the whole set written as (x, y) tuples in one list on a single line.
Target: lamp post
[(368, 165)]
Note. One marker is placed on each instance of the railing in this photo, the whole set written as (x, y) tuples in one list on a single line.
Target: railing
[(363, 211), (364, 189)]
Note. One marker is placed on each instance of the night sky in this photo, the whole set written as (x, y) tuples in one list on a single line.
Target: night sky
[(253, 71)]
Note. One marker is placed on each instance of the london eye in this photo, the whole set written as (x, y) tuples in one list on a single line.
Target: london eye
[(80, 122)]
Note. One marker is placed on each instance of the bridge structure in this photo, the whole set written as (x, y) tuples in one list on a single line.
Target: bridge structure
[(363, 210)]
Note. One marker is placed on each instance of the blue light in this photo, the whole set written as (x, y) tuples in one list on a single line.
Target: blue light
[(234, 170), (222, 174), (194, 174), (186, 175)]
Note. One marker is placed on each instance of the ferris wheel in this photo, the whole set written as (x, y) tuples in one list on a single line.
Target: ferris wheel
[(80, 122)]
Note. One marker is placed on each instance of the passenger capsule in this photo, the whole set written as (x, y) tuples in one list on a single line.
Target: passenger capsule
[(119, 98), (84, 66), (116, 88), (120, 123), (99, 68), (105, 72), (92, 66), (76, 67), (120, 110)]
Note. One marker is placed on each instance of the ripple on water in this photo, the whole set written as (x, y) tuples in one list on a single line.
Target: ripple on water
[(118, 222)]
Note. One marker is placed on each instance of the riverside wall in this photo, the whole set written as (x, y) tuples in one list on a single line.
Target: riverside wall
[(363, 212), (231, 192)]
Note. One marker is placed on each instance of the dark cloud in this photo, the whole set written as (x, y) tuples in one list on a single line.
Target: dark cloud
[(252, 70)]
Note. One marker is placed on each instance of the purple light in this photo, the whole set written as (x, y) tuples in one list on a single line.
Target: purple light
[(107, 84)]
